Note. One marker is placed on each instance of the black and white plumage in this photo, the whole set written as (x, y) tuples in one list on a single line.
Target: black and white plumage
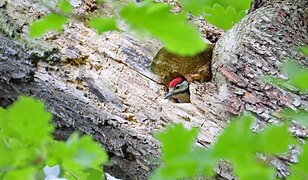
[(179, 90)]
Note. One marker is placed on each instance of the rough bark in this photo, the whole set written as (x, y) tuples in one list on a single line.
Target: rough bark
[(255, 47), (101, 85)]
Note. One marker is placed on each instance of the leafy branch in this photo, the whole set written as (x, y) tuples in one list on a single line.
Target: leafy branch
[(149, 18)]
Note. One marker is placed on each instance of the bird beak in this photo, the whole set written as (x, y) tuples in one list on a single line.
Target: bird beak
[(169, 94)]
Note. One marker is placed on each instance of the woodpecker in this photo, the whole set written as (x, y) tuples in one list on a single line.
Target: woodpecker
[(179, 90)]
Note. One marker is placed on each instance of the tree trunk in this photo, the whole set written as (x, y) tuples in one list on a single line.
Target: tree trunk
[(257, 46), (102, 85)]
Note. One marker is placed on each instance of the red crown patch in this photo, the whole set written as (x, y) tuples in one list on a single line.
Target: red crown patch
[(175, 82)]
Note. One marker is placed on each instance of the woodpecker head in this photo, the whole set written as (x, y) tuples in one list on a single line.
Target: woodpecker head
[(179, 90)]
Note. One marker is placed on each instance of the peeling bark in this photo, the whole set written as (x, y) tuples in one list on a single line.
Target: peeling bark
[(102, 85)]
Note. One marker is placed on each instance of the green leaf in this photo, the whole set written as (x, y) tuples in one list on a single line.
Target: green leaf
[(20, 174), (237, 137), (173, 30), (64, 6), (87, 174), (182, 161), (300, 81), (298, 75), (9, 161), (26, 145), (275, 139), (238, 5), (194, 6), (283, 83), (28, 122), (77, 153), (86, 151), (291, 68), (3, 119), (299, 115), (2, 113), (184, 167), (102, 24), (223, 17), (95, 173), (181, 138), (25, 128), (76, 175), (50, 22), (187, 166), (299, 170), (239, 145), (304, 50), (253, 171)]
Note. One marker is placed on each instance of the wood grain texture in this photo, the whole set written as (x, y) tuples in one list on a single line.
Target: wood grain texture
[(102, 85)]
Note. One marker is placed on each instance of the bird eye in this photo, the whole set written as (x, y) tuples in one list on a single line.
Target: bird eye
[(177, 87)]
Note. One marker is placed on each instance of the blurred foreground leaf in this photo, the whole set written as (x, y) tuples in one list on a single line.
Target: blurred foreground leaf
[(196, 7), (50, 22), (240, 145), (297, 74), (64, 6), (223, 17), (299, 170), (299, 115), (26, 145), (173, 30), (102, 24), (304, 50), (180, 159)]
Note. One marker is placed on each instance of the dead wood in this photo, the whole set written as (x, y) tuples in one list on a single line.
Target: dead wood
[(102, 85)]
